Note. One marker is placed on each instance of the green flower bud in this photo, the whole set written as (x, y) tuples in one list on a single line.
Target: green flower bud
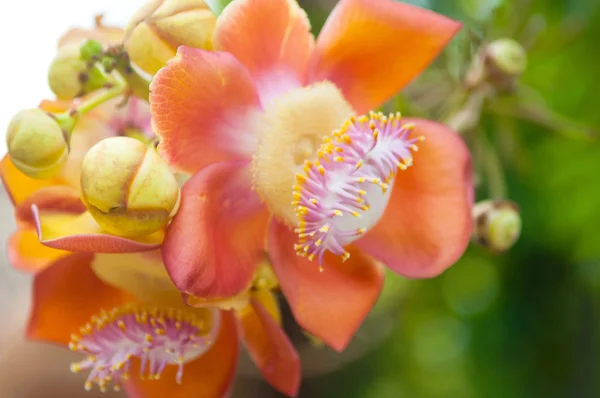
[(497, 224), (37, 143), (507, 56), (70, 76), (128, 188)]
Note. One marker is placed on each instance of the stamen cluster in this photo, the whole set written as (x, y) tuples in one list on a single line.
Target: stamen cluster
[(365, 152), (156, 337)]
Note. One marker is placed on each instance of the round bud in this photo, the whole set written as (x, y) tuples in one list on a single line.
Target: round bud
[(36, 143), (127, 187), (507, 57), (69, 76), (66, 73), (497, 224), (160, 26)]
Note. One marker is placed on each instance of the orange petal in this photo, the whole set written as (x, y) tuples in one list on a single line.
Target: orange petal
[(216, 241), (330, 304), (270, 348), (209, 376), (65, 296), (201, 103), (26, 253), (17, 184), (271, 38), (427, 224), (372, 48), (80, 233), (53, 199)]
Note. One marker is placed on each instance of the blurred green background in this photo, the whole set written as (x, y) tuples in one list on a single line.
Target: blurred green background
[(525, 323)]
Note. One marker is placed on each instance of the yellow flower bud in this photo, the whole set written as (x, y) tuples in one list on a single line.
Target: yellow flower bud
[(37, 144), (160, 26), (497, 224), (127, 187), (65, 73)]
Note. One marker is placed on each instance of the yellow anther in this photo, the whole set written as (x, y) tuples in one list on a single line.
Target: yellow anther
[(339, 159), (318, 242), (313, 201), (324, 229), (345, 256), (322, 170), (355, 213), (337, 212)]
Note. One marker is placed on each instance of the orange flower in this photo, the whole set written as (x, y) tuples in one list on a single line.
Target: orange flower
[(269, 128), (177, 351)]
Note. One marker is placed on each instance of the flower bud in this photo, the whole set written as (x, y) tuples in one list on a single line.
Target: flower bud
[(37, 143), (127, 187), (507, 56), (69, 75), (497, 224), (160, 26)]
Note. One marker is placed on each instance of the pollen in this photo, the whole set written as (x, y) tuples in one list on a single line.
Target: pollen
[(157, 337), (343, 198), (292, 130)]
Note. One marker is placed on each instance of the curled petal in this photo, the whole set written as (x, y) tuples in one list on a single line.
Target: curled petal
[(26, 253), (209, 376), (270, 348), (65, 296), (53, 199), (330, 304), (427, 223), (371, 49), (202, 104), (216, 241), (271, 38), (80, 233)]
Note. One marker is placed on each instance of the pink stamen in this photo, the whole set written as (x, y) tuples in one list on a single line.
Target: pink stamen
[(367, 150), (159, 338)]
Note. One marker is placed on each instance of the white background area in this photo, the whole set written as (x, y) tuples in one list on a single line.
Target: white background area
[(29, 30)]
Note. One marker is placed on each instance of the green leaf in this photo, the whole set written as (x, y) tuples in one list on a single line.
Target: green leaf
[(217, 6)]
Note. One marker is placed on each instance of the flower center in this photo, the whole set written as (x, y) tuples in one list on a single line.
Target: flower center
[(344, 193), (291, 130), (157, 337)]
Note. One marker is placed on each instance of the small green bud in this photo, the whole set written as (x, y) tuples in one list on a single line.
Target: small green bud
[(507, 56), (127, 187), (37, 143), (71, 76), (497, 224), (90, 49)]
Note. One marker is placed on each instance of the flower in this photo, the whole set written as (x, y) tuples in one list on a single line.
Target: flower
[(276, 130), (145, 339)]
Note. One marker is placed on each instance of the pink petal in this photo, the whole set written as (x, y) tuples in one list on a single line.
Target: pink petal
[(79, 232), (216, 240), (427, 224), (202, 104), (271, 38)]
